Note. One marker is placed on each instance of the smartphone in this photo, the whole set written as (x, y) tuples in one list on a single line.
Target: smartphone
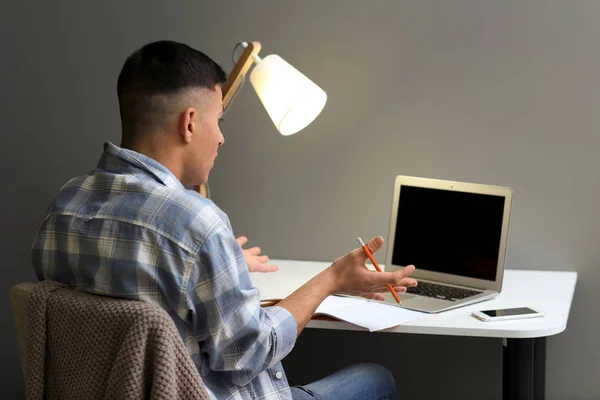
[(507, 314)]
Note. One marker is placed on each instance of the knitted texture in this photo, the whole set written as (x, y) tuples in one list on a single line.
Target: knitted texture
[(19, 297), (84, 346)]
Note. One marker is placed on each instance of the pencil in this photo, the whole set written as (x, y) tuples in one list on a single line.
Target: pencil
[(368, 253)]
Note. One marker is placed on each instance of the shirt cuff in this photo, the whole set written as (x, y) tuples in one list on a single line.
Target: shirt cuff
[(284, 331)]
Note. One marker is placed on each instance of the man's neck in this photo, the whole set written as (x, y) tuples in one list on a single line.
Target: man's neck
[(165, 155)]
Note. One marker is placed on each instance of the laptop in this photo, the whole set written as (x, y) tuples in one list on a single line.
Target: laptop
[(455, 234)]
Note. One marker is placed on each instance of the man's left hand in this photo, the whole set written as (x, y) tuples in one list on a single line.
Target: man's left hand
[(255, 262)]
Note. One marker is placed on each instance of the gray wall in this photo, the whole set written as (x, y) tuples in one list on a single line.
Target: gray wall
[(498, 92)]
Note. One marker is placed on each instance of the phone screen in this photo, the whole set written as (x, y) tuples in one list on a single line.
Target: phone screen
[(509, 311)]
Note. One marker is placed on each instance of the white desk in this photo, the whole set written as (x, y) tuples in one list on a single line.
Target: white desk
[(524, 359)]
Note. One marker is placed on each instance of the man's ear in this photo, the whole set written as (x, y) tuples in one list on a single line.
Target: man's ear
[(189, 124)]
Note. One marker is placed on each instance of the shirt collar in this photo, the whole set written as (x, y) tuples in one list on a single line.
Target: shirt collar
[(119, 159)]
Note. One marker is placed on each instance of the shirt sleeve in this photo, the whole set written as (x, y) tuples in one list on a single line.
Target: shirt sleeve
[(239, 337)]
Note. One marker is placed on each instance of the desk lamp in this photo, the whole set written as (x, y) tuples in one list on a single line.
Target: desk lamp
[(291, 99)]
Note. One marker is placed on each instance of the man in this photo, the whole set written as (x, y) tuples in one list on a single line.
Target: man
[(130, 229)]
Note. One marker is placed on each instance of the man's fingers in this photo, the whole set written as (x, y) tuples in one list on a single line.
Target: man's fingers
[(242, 240), (254, 251), (266, 268), (373, 296), (381, 279), (385, 289), (375, 244), (405, 283), (397, 278), (408, 270)]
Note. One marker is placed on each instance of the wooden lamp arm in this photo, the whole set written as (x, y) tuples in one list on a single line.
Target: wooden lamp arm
[(234, 80)]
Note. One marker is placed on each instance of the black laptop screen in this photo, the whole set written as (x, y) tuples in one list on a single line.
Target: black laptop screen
[(448, 231)]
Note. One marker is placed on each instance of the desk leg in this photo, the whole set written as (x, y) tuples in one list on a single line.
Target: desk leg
[(524, 369)]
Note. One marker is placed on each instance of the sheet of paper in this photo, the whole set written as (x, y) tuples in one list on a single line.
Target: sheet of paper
[(368, 314), (332, 303)]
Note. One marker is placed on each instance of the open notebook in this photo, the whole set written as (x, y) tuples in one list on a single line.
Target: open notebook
[(368, 314)]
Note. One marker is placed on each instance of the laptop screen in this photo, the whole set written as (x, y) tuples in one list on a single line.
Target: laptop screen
[(449, 231)]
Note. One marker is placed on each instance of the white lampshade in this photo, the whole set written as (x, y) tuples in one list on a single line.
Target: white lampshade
[(292, 100)]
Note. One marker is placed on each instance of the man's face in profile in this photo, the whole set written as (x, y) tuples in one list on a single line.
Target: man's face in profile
[(206, 141)]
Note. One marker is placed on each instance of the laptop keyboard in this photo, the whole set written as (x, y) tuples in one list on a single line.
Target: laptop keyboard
[(441, 292)]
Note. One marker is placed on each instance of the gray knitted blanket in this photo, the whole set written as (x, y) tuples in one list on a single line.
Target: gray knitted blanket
[(83, 346)]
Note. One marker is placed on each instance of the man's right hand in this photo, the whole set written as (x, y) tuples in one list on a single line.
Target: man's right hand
[(347, 275), (350, 275)]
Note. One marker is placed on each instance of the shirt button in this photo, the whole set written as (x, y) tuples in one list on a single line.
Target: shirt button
[(278, 374)]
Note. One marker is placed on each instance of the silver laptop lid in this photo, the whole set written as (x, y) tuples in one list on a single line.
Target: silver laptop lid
[(453, 232)]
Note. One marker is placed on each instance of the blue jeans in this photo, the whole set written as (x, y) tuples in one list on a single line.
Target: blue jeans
[(356, 382)]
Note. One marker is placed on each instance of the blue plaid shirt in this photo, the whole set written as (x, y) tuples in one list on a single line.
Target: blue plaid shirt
[(130, 229)]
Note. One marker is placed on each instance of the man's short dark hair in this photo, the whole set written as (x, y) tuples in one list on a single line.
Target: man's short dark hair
[(152, 74)]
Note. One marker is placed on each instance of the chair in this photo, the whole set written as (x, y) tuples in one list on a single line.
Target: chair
[(19, 296), (78, 345)]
